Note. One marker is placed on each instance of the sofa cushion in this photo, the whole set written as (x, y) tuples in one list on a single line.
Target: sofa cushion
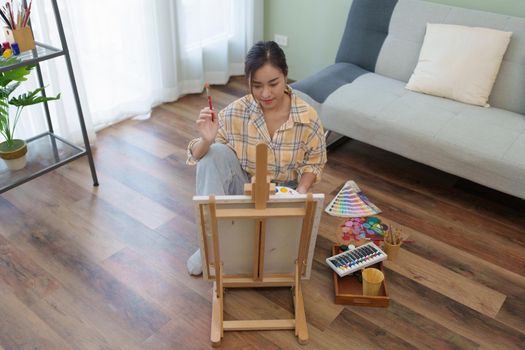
[(332, 77), (459, 62), (365, 31), (516, 152), (465, 140)]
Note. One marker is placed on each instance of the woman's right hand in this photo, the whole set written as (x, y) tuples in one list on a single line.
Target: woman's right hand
[(206, 127)]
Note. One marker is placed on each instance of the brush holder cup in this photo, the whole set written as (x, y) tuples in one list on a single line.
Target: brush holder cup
[(22, 36), (392, 250)]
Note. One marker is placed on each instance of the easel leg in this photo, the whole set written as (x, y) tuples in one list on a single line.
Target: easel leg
[(301, 329), (216, 318), (217, 325), (221, 301)]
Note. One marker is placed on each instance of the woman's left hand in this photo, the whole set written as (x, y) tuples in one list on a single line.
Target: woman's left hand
[(301, 189), (307, 180)]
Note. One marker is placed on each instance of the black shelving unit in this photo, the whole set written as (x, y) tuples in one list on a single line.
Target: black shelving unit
[(48, 151)]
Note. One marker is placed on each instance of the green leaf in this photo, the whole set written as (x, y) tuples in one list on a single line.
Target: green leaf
[(6, 91), (31, 98), (16, 74)]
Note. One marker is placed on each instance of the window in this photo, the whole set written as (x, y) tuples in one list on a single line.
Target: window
[(203, 22)]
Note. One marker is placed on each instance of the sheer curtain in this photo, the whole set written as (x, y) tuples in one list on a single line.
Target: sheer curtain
[(129, 56)]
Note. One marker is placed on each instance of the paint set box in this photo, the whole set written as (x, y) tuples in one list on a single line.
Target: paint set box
[(349, 291)]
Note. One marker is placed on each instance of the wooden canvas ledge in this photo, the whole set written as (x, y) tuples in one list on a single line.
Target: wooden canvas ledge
[(258, 240)]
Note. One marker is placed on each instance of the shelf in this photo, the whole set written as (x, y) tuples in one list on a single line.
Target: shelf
[(48, 151), (45, 152), (40, 53)]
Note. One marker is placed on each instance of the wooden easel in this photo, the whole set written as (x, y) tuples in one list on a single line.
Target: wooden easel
[(259, 190)]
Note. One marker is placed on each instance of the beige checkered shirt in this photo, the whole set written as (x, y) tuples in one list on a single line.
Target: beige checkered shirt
[(297, 147)]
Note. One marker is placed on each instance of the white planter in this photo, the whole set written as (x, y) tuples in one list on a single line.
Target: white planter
[(16, 164), (14, 157)]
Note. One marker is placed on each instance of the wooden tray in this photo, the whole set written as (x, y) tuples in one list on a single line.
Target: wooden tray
[(349, 291)]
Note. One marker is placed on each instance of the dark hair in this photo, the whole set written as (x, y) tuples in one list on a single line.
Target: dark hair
[(261, 53)]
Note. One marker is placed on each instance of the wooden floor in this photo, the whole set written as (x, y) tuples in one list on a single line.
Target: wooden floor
[(104, 268)]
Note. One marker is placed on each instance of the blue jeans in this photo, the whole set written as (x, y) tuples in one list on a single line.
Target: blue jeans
[(219, 172)]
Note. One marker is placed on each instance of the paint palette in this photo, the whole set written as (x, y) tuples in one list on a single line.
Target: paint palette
[(350, 202), (282, 190), (362, 228)]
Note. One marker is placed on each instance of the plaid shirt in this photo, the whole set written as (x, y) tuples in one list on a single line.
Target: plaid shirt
[(297, 147)]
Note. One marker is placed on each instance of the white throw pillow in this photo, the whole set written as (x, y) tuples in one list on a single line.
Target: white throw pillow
[(459, 62)]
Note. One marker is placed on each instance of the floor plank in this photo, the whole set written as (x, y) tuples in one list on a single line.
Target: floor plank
[(147, 211), (461, 289), (462, 320), (22, 276), (419, 331), (78, 325), (22, 329)]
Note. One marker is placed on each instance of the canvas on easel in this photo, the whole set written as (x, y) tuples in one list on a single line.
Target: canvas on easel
[(258, 240)]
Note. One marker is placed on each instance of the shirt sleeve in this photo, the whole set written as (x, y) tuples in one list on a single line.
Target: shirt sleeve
[(220, 138), (190, 160), (315, 156)]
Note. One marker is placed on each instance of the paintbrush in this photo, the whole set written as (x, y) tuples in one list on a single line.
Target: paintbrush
[(207, 87), (4, 18)]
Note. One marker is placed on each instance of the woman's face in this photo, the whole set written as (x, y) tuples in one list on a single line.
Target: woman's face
[(268, 86)]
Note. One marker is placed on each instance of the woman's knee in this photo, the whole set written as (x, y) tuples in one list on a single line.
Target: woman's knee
[(219, 149), (218, 153)]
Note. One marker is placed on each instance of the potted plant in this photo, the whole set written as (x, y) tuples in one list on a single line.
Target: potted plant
[(13, 151)]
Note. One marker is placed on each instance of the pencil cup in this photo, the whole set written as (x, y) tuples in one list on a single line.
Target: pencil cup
[(392, 250), (22, 36), (372, 280)]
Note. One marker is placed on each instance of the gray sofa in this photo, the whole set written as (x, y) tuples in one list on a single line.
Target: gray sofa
[(363, 94)]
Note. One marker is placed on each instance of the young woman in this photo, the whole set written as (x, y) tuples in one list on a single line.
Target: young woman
[(271, 113)]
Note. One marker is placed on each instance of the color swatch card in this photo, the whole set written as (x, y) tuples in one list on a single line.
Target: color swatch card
[(350, 202)]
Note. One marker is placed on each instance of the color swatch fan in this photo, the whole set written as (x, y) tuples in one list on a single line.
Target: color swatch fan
[(351, 202)]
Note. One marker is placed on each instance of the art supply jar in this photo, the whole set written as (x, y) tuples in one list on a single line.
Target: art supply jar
[(372, 281), (392, 250)]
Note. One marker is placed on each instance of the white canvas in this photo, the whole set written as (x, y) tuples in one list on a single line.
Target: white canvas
[(236, 236)]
